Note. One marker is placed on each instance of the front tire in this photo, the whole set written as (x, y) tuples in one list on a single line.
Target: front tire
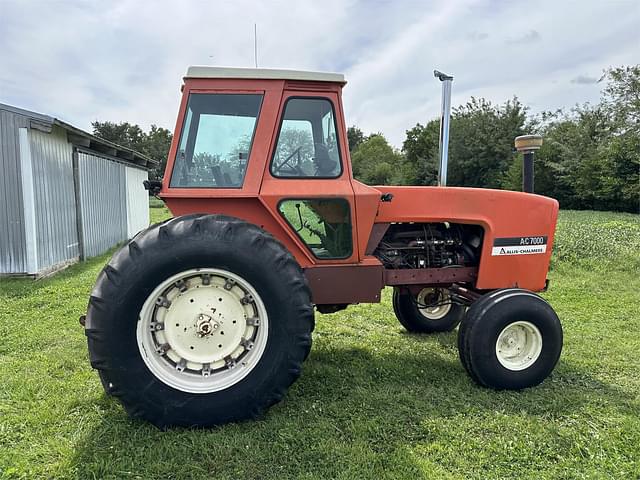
[(510, 339), (199, 321), (430, 311)]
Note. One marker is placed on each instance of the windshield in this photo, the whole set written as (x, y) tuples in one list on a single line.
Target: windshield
[(216, 140)]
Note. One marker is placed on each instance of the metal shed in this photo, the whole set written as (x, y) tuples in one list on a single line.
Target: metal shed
[(65, 194)]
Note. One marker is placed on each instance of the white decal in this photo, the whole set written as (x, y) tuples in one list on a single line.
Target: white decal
[(519, 250)]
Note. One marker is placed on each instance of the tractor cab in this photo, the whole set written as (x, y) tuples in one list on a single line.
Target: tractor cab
[(271, 146), (226, 128)]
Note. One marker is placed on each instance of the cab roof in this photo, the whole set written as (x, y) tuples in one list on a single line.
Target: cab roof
[(263, 73)]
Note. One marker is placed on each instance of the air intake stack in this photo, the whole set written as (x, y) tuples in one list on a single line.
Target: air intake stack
[(528, 144)]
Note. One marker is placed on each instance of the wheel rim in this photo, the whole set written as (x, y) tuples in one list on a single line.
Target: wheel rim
[(519, 345), (441, 300), (202, 330)]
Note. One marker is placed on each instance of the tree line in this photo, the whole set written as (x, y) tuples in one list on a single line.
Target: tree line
[(590, 158)]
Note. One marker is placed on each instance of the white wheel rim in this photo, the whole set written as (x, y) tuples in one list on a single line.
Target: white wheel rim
[(438, 311), (202, 330), (519, 345)]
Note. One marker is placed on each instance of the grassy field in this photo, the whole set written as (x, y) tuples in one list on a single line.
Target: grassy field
[(373, 401)]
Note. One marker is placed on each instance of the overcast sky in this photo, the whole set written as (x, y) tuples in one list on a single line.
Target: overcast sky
[(124, 60)]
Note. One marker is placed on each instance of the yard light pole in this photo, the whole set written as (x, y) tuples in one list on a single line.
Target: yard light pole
[(445, 115), (528, 144)]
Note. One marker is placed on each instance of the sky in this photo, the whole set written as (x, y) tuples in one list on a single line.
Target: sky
[(124, 60)]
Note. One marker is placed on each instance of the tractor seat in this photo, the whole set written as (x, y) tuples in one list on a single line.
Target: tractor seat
[(325, 166), (218, 176)]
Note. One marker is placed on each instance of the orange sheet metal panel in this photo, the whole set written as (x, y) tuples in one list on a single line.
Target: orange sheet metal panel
[(343, 284), (367, 200), (502, 214)]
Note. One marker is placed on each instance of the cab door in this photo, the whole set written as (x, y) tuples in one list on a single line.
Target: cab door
[(307, 182)]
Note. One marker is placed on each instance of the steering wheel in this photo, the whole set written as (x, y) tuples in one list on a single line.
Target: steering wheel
[(287, 163)]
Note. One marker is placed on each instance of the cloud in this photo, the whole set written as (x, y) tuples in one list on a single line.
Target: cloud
[(477, 36), (531, 36), (584, 80), (124, 60)]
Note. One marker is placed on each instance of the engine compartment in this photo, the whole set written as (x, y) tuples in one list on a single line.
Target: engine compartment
[(430, 245)]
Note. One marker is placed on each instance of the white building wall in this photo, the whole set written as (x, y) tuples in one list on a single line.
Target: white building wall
[(13, 255), (137, 201)]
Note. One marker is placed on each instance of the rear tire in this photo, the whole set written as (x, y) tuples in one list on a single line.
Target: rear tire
[(510, 339), (417, 316), (171, 369)]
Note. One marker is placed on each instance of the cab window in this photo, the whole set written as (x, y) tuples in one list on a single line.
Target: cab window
[(216, 140), (323, 224), (307, 142)]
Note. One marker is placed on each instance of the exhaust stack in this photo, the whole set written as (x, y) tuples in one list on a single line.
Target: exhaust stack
[(445, 116)]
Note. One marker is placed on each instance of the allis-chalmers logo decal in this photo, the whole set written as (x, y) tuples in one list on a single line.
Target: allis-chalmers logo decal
[(519, 245)]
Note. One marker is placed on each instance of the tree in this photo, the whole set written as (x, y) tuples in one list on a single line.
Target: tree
[(590, 158), (555, 164), (621, 97), (421, 154), (299, 143), (124, 133), (375, 162), (155, 144), (621, 151), (355, 137), (480, 145)]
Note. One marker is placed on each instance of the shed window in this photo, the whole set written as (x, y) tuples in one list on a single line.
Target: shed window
[(216, 140)]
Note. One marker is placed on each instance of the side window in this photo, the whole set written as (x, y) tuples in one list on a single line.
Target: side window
[(307, 142), (216, 140), (324, 225)]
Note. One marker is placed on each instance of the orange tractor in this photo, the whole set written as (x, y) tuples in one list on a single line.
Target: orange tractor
[(207, 318)]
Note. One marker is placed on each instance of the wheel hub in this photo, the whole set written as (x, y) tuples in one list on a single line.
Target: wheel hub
[(201, 324), (433, 303), (206, 325), (519, 345)]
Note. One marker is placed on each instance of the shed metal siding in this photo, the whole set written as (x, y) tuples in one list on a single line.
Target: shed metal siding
[(137, 201), (55, 205), (12, 239), (103, 203), (40, 210)]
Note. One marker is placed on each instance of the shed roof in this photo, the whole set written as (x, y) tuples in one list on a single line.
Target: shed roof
[(263, 73), (81, 138)]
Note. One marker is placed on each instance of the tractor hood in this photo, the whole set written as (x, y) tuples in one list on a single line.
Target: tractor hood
[(518, 227)]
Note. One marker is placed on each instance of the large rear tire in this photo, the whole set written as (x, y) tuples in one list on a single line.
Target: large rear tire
[(430, 311), (510, 339), (199, 321)]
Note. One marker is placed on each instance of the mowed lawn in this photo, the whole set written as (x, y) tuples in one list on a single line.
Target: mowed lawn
[(373, 402)]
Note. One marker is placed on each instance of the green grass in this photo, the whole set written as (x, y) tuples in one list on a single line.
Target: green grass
[(373, 401), (155, 202)]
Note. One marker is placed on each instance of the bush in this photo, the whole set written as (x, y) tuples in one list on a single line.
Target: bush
[(155, 203)]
